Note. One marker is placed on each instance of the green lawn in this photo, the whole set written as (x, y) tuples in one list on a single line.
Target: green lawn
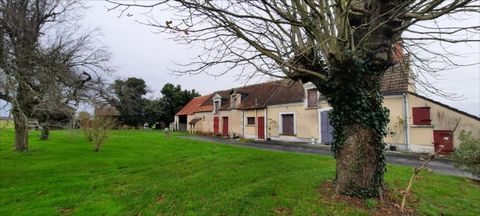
[(4, 124), (145, 173)]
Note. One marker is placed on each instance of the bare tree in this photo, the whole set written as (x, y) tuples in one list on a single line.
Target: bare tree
[(42, 65), (342, 46), (97, 129)]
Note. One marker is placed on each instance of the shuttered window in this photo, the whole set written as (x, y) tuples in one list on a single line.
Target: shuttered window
[(288, 124), (421, 116), (312, 97)]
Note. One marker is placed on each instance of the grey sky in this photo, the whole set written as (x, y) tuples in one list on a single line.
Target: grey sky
[(138, 52)]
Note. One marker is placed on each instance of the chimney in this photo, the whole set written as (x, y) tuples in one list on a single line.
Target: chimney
[(398, 54)]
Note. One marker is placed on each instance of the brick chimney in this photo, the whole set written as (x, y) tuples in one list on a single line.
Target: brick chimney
[(398, 54)]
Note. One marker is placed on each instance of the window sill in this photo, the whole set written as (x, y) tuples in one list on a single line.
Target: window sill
[(422, 126), (250, 125), (293, 135), (311, 108)]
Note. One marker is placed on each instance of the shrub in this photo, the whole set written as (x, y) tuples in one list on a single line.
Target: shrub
[(467, 156), (97, 130)]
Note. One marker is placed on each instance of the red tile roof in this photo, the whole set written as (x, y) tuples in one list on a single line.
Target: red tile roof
[(395, 79), (276, 92), (195, 105)]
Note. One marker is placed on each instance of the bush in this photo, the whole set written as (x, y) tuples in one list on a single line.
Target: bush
[(97, 130), (467, 156)]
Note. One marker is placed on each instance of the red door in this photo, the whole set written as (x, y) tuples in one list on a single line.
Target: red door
[(215, 125), (225, 126), (445, 138), (261, 127)]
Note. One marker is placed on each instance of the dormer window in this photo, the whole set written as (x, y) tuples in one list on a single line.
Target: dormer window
[(217, 103), (233, 101), (312, 97), (216, 106)]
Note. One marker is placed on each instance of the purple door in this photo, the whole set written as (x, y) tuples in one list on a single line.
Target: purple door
[(325, 128)]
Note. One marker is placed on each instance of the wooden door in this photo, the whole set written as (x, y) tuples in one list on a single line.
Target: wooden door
[(288, 124), (261, 127), (225, 126), (445, 138), (215, 124)]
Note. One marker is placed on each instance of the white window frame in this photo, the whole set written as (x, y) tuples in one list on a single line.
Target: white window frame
[(280, 120)]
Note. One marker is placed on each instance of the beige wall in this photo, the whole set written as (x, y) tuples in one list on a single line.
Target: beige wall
[(442, 119), (251, 131), (396, 126), (306, 122), (204, 125), (234, 122)]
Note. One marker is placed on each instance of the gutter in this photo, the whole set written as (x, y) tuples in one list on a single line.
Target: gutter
[(243, 124), (406, 127)]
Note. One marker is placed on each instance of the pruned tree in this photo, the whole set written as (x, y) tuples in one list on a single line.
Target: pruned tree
[(342, 46), (42, 65)]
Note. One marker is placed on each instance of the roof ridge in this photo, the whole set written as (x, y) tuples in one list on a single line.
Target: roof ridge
[(246, 86)]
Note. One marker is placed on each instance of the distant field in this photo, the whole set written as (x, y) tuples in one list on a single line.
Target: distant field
[(145, 173), (6, 124)]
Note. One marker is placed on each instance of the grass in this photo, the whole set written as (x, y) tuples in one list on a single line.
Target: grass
[(6, 124), (143, 172)]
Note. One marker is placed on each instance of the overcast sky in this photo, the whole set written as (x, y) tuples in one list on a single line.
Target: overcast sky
[(138, 52)]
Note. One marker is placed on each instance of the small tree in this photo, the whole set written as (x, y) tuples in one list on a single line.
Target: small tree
[(97, 129), (467, 156)]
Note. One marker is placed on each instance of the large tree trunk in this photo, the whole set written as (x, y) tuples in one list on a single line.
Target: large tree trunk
[(359, 124), (359, 166), (21, 130), (22, 110)]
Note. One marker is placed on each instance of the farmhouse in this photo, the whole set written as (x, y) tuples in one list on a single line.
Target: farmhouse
[(286, 110)]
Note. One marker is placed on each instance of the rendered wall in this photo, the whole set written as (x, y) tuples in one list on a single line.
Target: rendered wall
[(204, 125), (306, 122), (442, 119), (251, 131)]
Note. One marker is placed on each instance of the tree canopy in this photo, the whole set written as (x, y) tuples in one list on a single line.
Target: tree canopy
[(130, 101), (135, 109), (174, 99)]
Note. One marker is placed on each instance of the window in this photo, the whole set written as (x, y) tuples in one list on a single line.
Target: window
[(250, 120), (312, 97), (288, 124), (216, 106), (233, 101), (421, 116)]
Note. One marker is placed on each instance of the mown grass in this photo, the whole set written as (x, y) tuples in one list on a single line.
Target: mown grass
[(143, 172), (6, 124)]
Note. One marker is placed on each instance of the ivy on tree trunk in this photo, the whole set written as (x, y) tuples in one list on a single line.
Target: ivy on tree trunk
[(359, 123)]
